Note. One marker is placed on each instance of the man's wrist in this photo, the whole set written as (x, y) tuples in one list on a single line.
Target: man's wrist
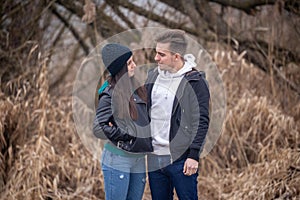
[(194, 154)]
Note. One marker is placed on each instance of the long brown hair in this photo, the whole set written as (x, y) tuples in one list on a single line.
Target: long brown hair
[(123, 89)]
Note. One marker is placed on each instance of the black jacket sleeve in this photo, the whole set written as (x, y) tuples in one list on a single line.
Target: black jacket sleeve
[(104, 116), (199, 99)]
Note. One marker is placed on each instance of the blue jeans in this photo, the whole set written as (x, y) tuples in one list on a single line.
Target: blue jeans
[(124, 177), (163, 180)]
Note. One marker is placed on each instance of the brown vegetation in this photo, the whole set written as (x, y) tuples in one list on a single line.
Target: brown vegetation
[(42, 157), (257, 156)]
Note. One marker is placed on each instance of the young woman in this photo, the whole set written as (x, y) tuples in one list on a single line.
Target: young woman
[(122, 116)]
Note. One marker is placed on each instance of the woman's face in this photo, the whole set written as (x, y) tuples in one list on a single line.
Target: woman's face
[(131, 66)]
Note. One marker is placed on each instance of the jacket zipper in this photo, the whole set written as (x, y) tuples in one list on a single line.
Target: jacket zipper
[(152, 82), (187, 81)]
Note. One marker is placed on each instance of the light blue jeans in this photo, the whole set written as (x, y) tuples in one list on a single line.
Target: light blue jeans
[(124, 177)]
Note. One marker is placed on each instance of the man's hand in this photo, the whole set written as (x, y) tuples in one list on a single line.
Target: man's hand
[(190, 167)]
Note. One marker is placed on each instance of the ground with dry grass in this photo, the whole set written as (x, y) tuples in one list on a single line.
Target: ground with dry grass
[(256, 157)]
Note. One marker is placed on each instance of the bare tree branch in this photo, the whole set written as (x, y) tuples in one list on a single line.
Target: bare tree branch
[(189, 8), (73, 8), (154, 17), (71, 28), (249, 6), (13, 9), (203, 17), (120, 14), (257, 54), (246, 5), (56, 40), (106, 26), (255, 49), (215, 21), (66, 69)]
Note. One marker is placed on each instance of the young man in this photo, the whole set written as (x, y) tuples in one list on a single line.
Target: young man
[(178, 99)]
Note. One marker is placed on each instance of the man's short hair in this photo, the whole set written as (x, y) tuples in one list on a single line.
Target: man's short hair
[(176, 38)]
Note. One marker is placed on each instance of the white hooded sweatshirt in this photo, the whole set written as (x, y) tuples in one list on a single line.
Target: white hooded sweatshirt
[(163, 95)]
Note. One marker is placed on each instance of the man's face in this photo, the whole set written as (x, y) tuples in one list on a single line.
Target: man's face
[(164, 58)]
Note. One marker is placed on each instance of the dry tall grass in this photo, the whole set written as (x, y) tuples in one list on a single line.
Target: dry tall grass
[(41, 155), (257, 156)]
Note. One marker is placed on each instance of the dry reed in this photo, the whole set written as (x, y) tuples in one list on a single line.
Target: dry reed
[(42, 157), (258, 154), (256, 157)]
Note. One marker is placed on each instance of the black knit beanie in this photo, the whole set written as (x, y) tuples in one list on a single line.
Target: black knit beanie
[(115, 56)]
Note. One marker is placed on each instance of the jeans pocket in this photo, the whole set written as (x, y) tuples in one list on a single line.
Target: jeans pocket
[(107, 158)]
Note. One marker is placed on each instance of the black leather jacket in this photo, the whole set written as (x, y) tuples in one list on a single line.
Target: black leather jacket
[(190, 114), (129, 135)]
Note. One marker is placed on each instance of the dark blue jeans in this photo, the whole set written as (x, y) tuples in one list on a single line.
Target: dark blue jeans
[(163, 180)]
